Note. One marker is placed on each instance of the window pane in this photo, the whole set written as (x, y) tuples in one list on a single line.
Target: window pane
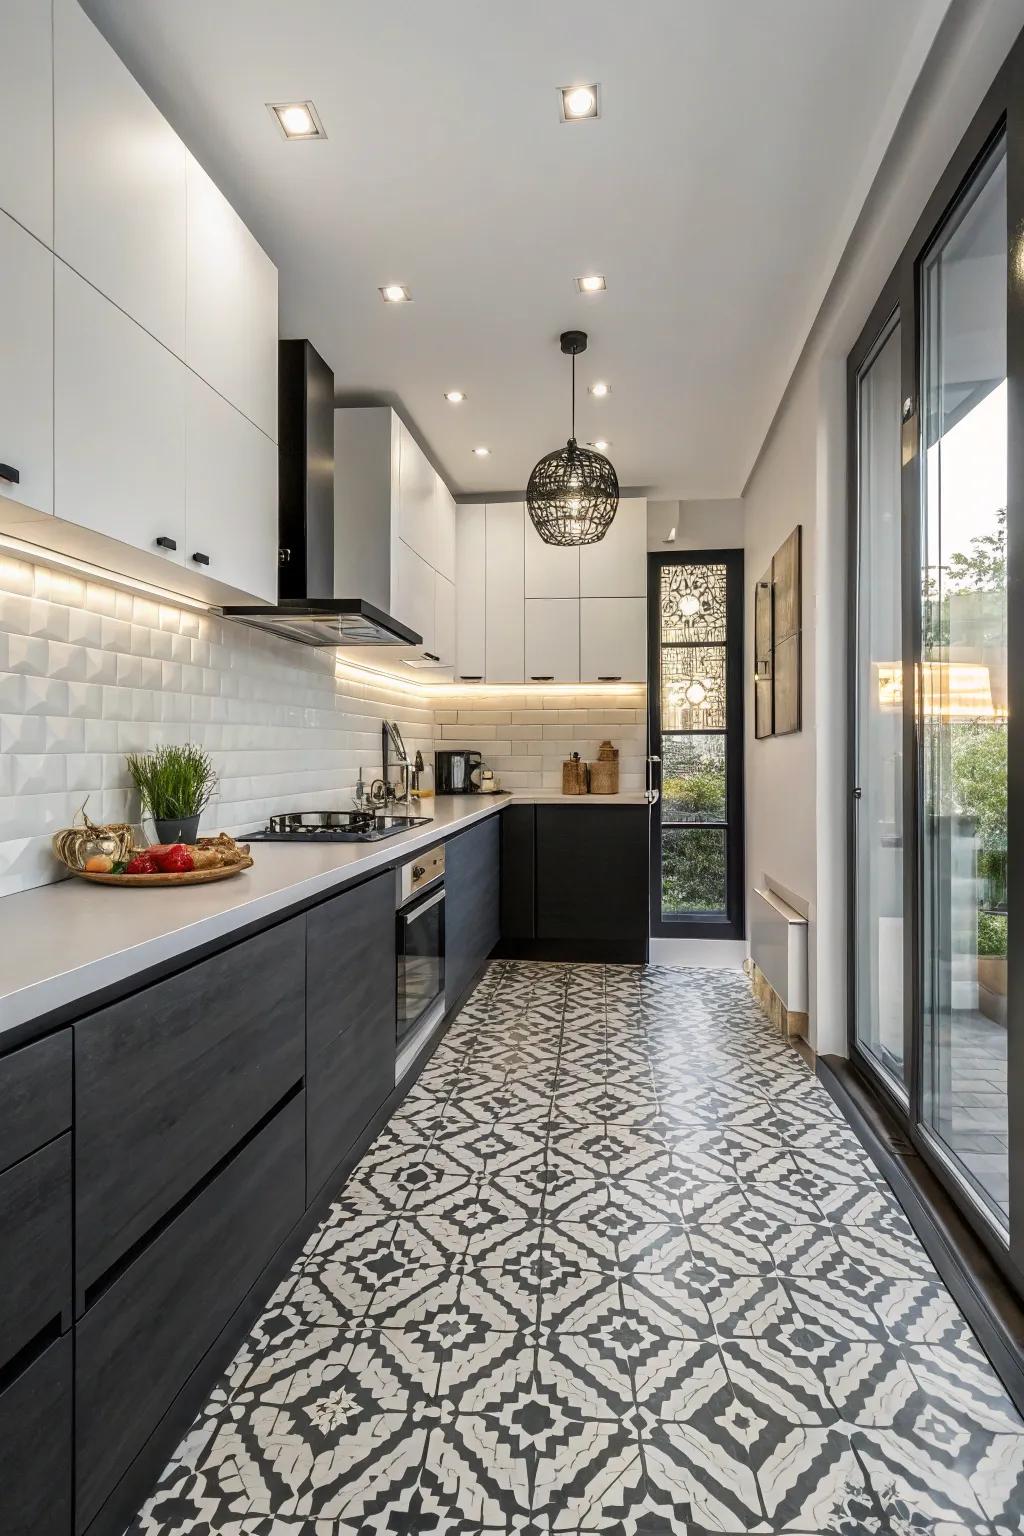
[(963, 693), (693, 871), (693, 778), (692, 604), (693, 688), (879, 740)]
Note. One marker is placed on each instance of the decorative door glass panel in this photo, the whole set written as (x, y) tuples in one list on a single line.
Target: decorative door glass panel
[(693, 604), (962, 693), (878, 983)]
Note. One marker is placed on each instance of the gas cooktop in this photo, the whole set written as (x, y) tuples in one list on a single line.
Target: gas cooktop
[(335, 827)]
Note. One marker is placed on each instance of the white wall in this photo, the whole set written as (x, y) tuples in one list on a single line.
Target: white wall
[(698, 525), (795, 786)]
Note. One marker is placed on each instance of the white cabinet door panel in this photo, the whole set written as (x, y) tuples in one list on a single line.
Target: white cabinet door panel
[(504, 592), (444, 620), (414, 593), (552, 570), (417, 495), (553, 639), (119, 181), (26, 366), (616, 566), (26, 115), (231, 495), (232, 304), (470, 581), (444, 530), (613, 639), (119, 422)]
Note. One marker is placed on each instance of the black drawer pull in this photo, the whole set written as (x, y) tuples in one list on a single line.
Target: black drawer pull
[(430, 656), (201, 559), (611, 677), (9, 473), (471, 677), (163, 542), (542, 677)]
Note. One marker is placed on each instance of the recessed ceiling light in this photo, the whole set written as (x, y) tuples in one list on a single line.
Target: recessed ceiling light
[(578, 102), (601, 444), (297, 119), (593, 284), (599, 390), (454, 396), (394, 293), (482, 453)]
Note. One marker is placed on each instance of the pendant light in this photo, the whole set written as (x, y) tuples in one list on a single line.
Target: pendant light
[(574, 492)]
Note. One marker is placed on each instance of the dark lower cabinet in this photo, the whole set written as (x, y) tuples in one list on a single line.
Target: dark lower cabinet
[(350, 1020), (35, 1095), (472, 904), (35, 1446), (168, 1081), (140, 1342), (518, 873), (35, 1248), (592, 873)]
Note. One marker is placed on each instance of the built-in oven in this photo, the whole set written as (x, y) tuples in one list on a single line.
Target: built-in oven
[(420, 951)]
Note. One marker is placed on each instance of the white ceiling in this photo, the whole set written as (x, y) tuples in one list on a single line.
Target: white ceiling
[(716, 192)]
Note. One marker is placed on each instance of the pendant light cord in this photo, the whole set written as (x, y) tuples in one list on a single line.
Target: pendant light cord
[(574, 394)]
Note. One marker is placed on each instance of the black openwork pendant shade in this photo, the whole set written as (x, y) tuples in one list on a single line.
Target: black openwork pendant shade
[(573, 493)]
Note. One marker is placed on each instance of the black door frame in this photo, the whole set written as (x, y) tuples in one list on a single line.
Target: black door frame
[(1001, 113), (733, 924)]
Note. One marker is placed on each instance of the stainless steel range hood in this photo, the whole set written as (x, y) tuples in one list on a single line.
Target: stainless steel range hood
[(307, 610)]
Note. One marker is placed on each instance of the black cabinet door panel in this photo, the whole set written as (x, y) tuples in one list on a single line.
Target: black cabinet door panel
[(35, 1246), (518, 873), (350, 1020), (168, 1081), (35, 1447), (472, 902), (592, 864), (140, 1341), (35, 1095)]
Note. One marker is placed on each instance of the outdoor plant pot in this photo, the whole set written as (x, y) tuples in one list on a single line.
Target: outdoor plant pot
[(992, 987)]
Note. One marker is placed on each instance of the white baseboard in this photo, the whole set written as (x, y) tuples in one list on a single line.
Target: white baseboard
[(709, 954)]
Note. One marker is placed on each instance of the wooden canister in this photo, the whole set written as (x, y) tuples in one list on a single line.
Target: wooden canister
[(574, 776), (604, 776)]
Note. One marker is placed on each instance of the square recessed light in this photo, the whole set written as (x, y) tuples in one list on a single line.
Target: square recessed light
[(594, 283), (454, 396), (600, 389), (578, 102), (482, 453), (395, 293), (297, 119), (601, 444)]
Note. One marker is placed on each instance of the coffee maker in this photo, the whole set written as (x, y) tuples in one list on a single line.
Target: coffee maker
[(453, 772)]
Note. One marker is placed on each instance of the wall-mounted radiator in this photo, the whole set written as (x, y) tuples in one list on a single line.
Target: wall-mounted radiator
[(778, 949)]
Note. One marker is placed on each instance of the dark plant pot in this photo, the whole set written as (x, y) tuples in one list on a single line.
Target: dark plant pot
[(182, 831)]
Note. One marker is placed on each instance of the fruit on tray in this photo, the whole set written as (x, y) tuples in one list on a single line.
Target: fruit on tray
[(98, 864), (142, 864), (175, 860)]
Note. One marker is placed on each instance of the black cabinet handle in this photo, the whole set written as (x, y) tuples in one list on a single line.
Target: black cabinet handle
[(611, 677), (9, 473), (430, 656), (201, 559), (163, 542), (542, 677), (471, 677)]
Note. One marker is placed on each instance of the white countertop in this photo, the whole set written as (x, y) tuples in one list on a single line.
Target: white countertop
[(63, 942)]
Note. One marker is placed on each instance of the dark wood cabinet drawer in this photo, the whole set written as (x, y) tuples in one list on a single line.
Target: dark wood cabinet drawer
[(35, 1247), (350, 1020), (472, 915), (35, 1096), (518, 833), (35, 1447), (142, 1339), (168, 1081), (592, 872)]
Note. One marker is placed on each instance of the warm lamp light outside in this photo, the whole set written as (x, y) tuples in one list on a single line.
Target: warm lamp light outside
[(950, 690)]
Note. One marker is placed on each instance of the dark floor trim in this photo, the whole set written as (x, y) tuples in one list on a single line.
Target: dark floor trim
[(982, 1293)]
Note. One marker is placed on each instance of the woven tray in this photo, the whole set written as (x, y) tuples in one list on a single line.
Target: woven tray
[(183, 877)]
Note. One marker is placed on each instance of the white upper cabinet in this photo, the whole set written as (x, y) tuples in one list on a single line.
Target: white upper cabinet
[(613, 639), (414, 595), (616, 566), (231, 333), (503, 592), (26, 367), (231, 495), (417, 497), (552, 570), (119, 181), (444, 529), (119, 423), (470, 577), (26, 115), (553, 639), (444, 620)]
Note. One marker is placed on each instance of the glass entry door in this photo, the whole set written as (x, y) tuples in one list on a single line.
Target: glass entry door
[(696, 729)]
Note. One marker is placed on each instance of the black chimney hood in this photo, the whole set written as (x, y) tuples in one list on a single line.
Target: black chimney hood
[(306, 609)]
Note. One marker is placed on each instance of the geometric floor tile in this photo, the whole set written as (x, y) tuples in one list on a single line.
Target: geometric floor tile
[(616, 1266)]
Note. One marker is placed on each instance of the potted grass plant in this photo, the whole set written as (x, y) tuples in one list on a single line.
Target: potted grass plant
[(175, 785)]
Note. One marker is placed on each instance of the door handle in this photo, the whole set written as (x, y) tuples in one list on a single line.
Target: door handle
[(163, 542), (201, 559)]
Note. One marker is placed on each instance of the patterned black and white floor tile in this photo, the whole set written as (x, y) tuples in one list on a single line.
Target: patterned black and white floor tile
[(618, 1266)]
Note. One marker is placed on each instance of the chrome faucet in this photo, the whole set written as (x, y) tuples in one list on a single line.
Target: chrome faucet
[(392, 745)]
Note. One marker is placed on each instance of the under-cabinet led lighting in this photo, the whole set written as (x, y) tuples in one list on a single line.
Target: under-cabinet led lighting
[(297, 119), (36, 554), (578, 102), (395, 293)]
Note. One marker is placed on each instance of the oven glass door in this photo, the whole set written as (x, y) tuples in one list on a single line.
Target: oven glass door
[(420, 960)]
